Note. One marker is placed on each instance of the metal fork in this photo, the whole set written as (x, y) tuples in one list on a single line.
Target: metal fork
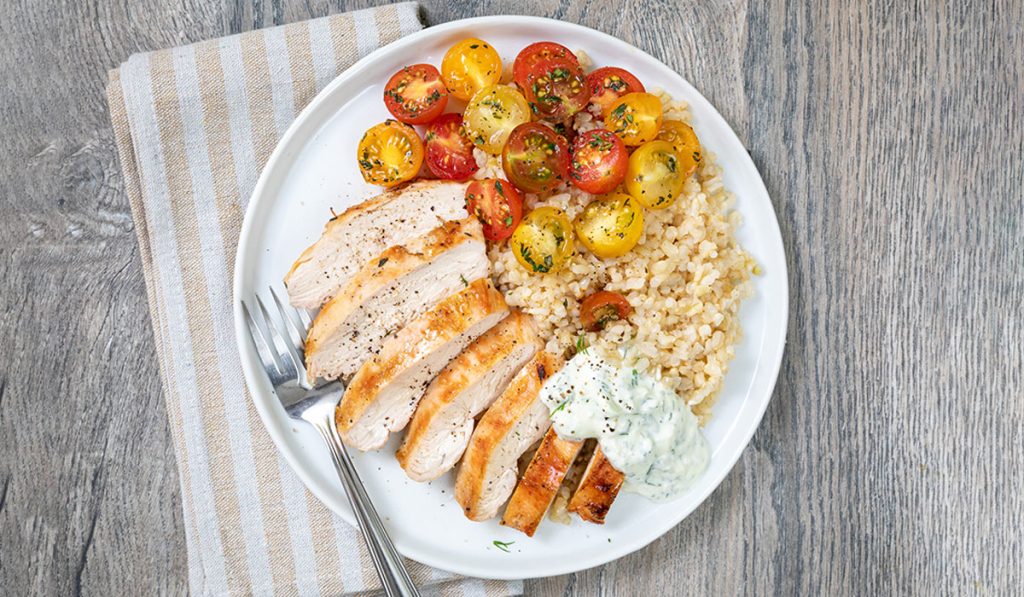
[(283, 358)]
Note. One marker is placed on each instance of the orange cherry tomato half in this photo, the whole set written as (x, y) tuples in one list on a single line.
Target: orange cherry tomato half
[(609, 83), (497, 204), (535, 157), (602, 308), (469, 66), (599, 161), (556, 89), (449, 150), (634, 117), (390, 153), (416, 94), (537, 52)]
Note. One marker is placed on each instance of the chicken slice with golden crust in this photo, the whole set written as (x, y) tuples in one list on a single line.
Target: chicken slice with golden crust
[(393, 288), (383, 393), (355, 236), (540, 482), (516, 420), (597, 490), (443, 423)]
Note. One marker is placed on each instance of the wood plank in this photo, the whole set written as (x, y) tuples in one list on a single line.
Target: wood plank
[(891, 138)]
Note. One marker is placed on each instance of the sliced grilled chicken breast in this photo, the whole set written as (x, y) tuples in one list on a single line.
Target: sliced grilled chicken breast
[(515, 421), (443, 421), (392, 289), (365, 230), (597, 490), (384, 392), (540, 482)]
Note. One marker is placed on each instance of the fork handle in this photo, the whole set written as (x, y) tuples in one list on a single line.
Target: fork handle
[(386, 559)]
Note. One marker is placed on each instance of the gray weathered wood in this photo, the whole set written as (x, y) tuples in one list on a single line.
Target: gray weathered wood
[(891, 138)]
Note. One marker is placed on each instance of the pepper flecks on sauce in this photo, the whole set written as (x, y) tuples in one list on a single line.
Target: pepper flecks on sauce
[(645, 430)]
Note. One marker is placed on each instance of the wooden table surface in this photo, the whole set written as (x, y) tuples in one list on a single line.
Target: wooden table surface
[(891, 138)]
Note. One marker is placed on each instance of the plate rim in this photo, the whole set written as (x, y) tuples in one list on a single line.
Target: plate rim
[(255, 379)]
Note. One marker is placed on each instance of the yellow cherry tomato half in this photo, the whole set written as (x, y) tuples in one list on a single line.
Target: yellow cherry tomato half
[(469, 66), (492, 114), (390, 153), (610, 225), (654, 176), (543, 241), (685, 142), (634, 117)]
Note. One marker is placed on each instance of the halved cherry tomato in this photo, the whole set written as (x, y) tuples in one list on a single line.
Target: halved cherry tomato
[(535, 157), (685, 142), (469, 66), (610, 225), (492, 114), (654, 176), (537, 52), (498, 206), (556, 89), (390, 153), (544, 242), (415, 94), (634, 117), (449, 150), (602, 308), (599, 161), (609, 83)]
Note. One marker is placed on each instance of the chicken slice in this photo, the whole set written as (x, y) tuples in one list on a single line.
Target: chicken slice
[(540, 482), (384, 392), (351, 239), (443, 422), (516, 420), (392, 289), (597, 490)]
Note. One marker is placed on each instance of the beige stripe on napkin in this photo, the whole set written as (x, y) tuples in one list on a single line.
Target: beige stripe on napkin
[(194, 126)]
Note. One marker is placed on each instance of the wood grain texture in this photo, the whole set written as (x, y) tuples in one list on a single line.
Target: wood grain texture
[(891, 138)]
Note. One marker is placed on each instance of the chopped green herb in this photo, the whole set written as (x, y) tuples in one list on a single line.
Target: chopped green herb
[(464, 281), (382, 261), (503, 545), (581, 344), (559, 408)]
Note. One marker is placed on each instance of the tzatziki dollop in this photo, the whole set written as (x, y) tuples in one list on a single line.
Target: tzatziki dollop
[(645, 430)]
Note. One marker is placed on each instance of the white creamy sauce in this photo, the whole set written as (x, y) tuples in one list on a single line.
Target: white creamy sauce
[(645, 430)]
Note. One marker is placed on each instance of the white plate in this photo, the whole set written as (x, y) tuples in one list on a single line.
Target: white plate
[(313, 169)]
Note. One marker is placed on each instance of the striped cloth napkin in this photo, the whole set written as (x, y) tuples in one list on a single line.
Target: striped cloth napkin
[(194, 126)]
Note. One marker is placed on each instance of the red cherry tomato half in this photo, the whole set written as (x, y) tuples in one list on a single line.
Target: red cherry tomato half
[(556, 89), (609, 83), (602, 308), (534, 53), (535, 158), (599, 161), (498, 206), (449, 151), (416, 94)]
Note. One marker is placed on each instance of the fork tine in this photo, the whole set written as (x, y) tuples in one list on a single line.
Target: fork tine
[(285, 349), (306, 322), (295, 332), (267, 356)]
